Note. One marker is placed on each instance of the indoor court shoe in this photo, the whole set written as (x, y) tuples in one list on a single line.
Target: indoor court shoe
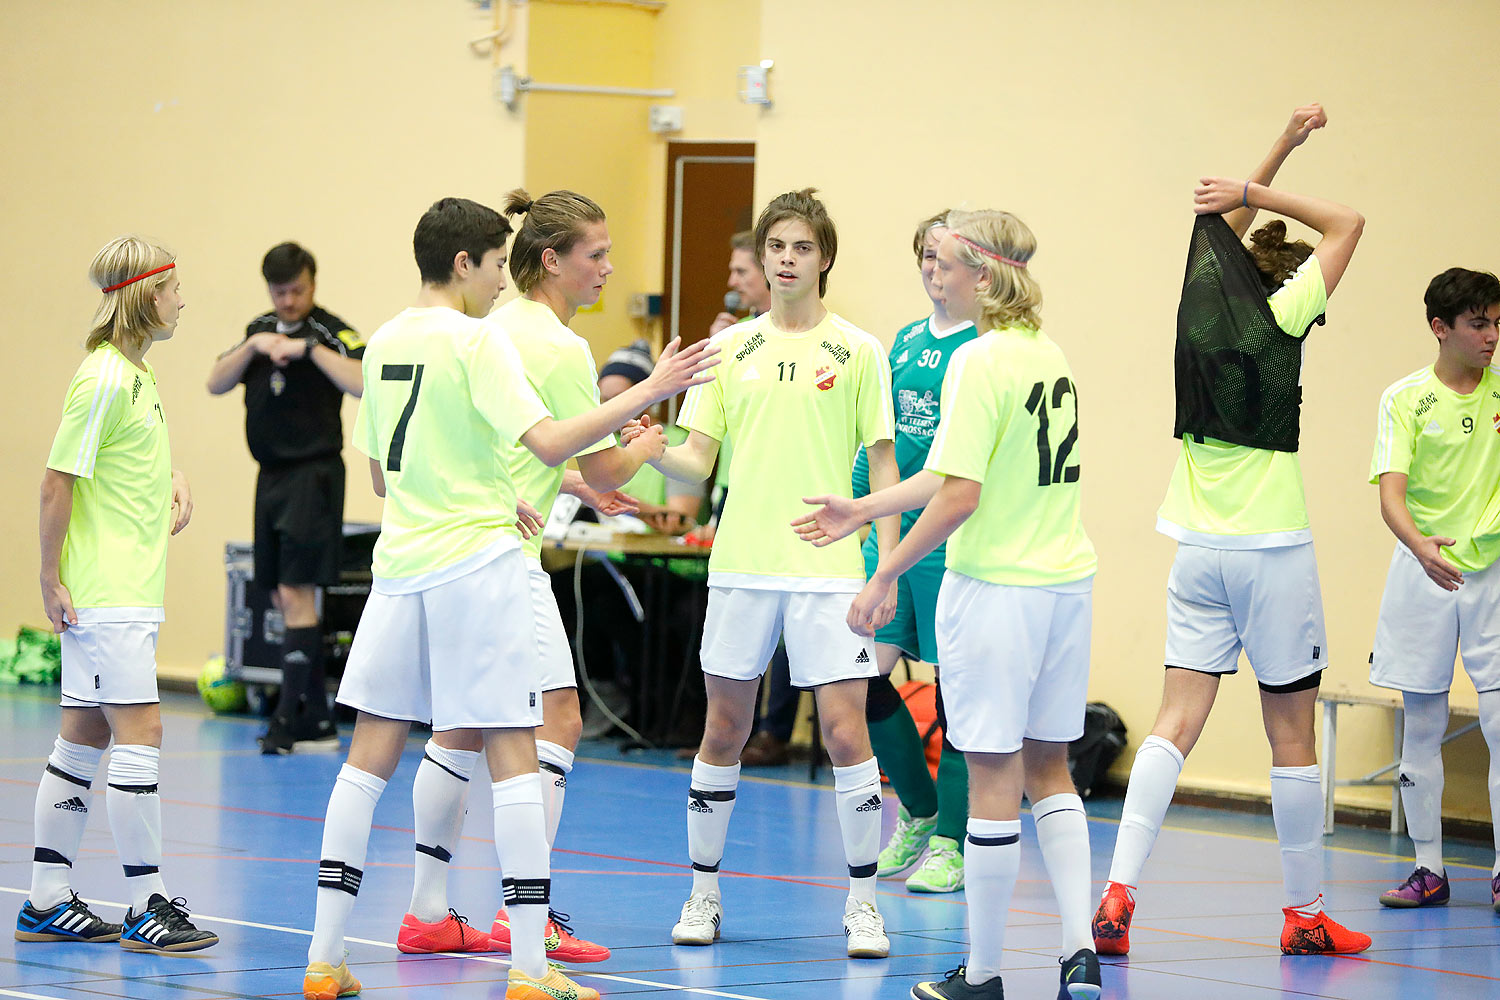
[(956, 987), (164, 928), (328, 982), (906, 845), (1495, 893), (1320, 935), (562, 945), (68, 921), (865, 929), (277, 741), (1423, 888), (1079, 979), (701, 916), (553, 986), (321, 736), (942, 871), (452, 933), (1112, 920)]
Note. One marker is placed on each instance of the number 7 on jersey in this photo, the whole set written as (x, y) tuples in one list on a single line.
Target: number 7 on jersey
[(401, 373)]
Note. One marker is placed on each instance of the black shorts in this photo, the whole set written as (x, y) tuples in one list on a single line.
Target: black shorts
[(299, 523)]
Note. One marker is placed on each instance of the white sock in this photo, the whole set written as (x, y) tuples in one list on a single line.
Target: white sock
[(135, 819), (556, 763), (437, 798), (61, 813), (521, 845), (1297, 808), (1489, 724), (1421, 775), (857, 799), (346, 837), (1062, 830), (710, 803), (1153, 779), (992, 860)]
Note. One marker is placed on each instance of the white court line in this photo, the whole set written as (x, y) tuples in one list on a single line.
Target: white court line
[(24, 996), (701, 990)]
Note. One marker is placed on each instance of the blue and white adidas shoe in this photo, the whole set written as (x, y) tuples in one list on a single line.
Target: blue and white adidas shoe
[(164, 928), (68, 921)]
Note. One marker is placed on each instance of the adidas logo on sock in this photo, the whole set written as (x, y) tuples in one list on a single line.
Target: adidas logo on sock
[(863, 657), (873, 805), (1407, 782), (75, 804), (699, 806)]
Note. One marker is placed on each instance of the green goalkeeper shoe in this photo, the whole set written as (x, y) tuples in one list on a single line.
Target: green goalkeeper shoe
[(906, 845)]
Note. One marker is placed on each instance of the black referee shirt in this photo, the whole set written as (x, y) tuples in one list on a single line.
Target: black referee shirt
[(292, 413)]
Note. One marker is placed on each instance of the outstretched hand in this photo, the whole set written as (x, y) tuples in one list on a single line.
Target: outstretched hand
[(834, 519), (1303, 122), (680, 368)]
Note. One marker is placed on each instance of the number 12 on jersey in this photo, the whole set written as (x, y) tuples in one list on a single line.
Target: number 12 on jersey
[(1050, 470)]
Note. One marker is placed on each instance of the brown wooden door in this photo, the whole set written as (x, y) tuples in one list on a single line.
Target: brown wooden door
[(710, 194)]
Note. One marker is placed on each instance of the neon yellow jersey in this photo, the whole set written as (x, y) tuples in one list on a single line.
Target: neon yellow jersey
[(1448, 446), (1010, 422), (797, 407), (113, 437), (560, 368), (1228, 496), (443, 393)]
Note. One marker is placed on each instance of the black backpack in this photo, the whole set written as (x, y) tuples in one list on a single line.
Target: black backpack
[(1090, 756)]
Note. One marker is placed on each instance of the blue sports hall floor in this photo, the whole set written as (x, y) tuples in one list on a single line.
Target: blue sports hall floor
[(242, 834)]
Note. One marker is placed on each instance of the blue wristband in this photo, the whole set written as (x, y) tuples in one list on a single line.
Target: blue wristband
[(1245, 198)]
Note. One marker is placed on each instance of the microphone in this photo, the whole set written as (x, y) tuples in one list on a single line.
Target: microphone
[(732, 302)]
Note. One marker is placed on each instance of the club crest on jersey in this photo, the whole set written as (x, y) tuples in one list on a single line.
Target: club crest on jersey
[(823, 378), (278, 383), (1496, 421)]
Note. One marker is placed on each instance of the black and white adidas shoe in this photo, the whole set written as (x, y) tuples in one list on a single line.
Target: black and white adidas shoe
[(164, 928), (69, 921)]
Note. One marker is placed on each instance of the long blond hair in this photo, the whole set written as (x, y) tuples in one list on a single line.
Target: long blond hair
[(1013, 297), (127, 317), (554, 221)]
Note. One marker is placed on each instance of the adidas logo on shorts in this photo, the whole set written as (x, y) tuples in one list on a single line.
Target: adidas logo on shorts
[(75, 804), (873, 805), (1407, 782), (863, 657)]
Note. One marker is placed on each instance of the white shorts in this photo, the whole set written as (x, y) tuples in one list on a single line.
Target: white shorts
[(461, 655), (1015, 662), (742, 625), (1265, 601), (109, 663), (1422, 627), (551, 637)]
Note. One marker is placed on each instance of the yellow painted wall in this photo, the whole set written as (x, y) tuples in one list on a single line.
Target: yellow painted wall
[(596, 145), (1092, 121), (219, 129)]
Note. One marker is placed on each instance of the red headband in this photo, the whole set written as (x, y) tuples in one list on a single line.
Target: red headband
[(141, 277), (986, 250)]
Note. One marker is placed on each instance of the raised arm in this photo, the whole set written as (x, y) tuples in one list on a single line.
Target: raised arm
[(1303, 121), (1339, 225), (556, 441)]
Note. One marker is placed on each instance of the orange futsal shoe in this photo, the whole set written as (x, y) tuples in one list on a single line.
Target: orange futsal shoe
[(562, 945), (553, 986), (328, 982), (1112, 920), (452, 933), (1320, 935)]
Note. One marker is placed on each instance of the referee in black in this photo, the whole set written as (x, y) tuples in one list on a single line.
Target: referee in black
[(296, 363)]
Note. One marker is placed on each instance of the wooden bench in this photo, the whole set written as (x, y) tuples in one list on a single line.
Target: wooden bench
[(1331, 699)]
